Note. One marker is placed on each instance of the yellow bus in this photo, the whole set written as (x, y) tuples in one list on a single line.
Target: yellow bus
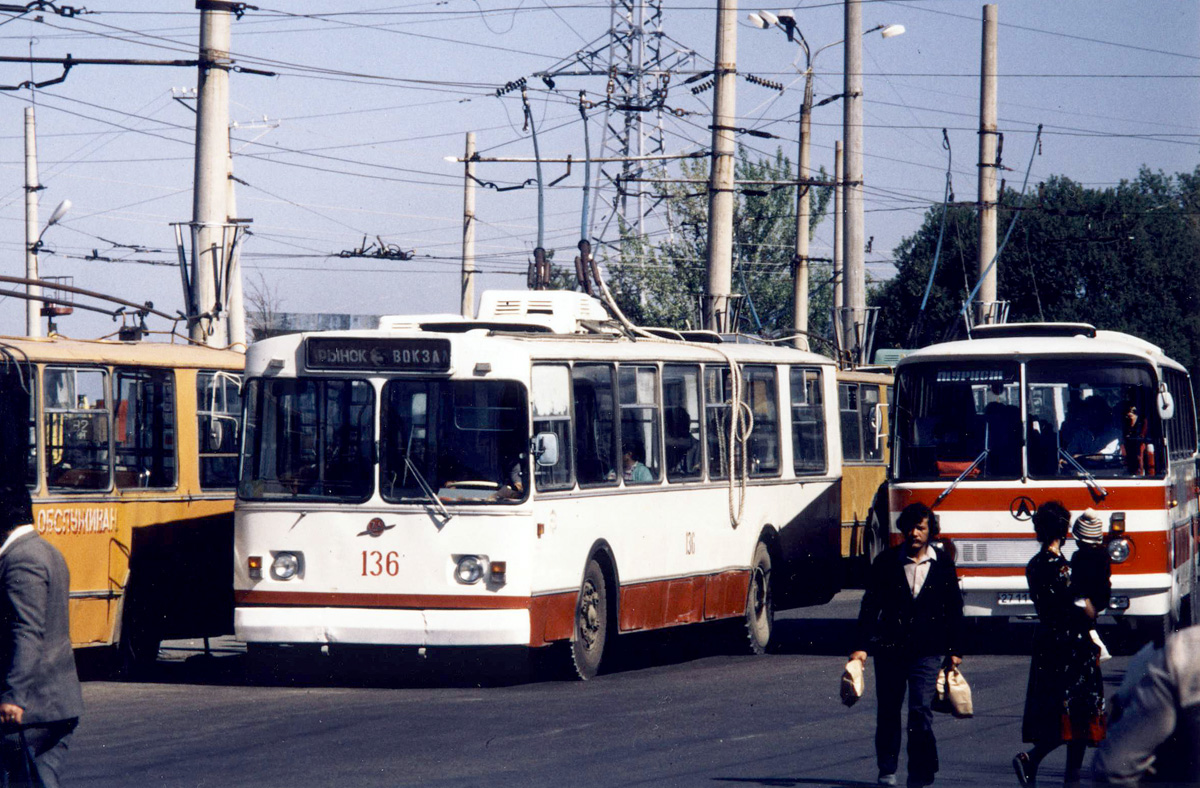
[(864, 407), (129, 450)]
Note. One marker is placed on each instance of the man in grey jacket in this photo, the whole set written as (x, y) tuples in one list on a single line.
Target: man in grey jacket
[(39, 691), (1158, 728)]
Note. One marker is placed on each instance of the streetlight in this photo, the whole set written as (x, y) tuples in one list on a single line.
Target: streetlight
[(786, 21), (32, 306)]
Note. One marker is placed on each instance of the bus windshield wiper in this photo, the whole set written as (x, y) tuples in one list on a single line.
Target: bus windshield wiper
[(1085, 473), (961, 476), (425, 488)]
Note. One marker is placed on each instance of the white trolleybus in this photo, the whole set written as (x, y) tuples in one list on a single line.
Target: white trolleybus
[(988, 429), (530, 477)]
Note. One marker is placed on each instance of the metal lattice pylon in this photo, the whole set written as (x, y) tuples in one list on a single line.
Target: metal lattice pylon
[(638, 66)]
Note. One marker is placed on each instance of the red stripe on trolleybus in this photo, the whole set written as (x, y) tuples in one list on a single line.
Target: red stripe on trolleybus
[(991, 499), (653, 605)]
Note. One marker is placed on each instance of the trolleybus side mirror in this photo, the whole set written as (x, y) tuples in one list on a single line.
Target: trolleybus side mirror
[(545, 449), (1166, 403)]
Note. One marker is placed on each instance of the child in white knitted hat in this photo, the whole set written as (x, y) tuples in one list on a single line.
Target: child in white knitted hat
[(1091, 571)]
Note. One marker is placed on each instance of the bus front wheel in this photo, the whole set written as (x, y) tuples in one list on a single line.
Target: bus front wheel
[(590, 637), (760, 605)]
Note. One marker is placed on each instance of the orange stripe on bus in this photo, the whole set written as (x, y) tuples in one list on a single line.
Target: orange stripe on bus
[(653, 605), (971, 499)]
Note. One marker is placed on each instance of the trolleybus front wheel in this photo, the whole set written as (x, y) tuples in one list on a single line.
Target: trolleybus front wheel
[(590, 637), (760, 605)]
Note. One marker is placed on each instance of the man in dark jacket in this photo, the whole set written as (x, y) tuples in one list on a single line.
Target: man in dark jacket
[(910, 618), (40, 691)]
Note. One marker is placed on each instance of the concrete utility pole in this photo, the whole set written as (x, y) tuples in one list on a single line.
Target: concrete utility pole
[(853, 238), (33, 325), (986, 305), (803, 201), (468, 242), (720, 190), (839, 274), (237, 300), (209, 212)]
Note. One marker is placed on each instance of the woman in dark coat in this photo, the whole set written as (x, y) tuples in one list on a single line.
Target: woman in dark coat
[(1065, 699)]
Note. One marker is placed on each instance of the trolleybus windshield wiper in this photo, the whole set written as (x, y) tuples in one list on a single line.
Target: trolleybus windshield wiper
[(961, 476), (425, 488), (1084, 472)]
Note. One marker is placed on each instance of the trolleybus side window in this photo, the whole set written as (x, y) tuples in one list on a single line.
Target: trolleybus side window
[(309, 438), (595, 434), (959, 419), (808, 422), (1181, 427), (638, 388), (219, 424), (459, 440), (762, 395), (871, 417), (851, 422), (77, 429), (18, 418), (1076, 409), (144, 432), (717, 395), (681, 404), (551, 400)]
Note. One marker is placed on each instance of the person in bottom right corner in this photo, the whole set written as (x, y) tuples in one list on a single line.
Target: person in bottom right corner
[(1065, 700), (1156, 736)]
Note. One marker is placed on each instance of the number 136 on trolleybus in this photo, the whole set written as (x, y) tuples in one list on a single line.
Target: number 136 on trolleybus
[(530, 477), (988, 429)]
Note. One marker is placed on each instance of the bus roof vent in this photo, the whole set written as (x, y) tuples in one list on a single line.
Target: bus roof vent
[(560, 311), (413, 322), (1019, 330)]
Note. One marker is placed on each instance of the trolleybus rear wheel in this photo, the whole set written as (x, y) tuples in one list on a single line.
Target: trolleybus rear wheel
[(590, 637), (760, 605)]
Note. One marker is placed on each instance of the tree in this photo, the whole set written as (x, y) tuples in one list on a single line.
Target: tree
[(658, 281), (1121, 258)]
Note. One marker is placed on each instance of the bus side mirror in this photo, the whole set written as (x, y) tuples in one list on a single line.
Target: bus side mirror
[(1166, 403), (545, 449)]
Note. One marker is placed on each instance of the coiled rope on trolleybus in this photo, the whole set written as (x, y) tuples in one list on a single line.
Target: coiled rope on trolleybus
[(741, 423)]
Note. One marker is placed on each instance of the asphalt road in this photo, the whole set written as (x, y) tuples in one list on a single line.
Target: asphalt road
[(682, 709)]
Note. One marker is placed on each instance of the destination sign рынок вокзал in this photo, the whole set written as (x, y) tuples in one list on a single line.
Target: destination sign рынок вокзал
[(430, 355)]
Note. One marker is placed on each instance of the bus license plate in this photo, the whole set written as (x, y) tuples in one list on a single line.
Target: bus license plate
[(1018, 598)]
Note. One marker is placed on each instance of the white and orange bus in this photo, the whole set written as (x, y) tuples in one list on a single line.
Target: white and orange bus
[(531, 477), (989, 428), (129, 450)]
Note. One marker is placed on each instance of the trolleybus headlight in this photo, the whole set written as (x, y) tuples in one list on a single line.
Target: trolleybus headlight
[(1119, 550), (285, 566), (469, 569)]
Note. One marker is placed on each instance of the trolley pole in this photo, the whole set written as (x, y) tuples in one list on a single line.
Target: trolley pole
[(33, 326), (986, 305), (720, 191), (468, 241), (209, 210)]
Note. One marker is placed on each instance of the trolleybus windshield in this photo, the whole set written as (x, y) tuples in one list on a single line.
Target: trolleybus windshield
[(955, 419), (464, 441), (18, 437), (309, 438), (1093, 416)]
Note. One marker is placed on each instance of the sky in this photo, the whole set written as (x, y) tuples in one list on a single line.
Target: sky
[(350, 139)]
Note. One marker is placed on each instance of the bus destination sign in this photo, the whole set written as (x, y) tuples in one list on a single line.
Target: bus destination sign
[(384, 355)]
